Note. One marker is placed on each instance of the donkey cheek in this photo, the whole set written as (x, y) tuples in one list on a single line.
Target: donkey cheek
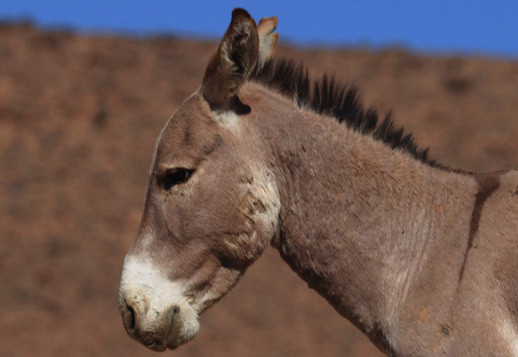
[(244, 248), (231, 239)]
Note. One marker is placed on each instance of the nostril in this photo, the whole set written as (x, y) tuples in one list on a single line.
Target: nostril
[(145, 324), (174, 311), (130, 318)]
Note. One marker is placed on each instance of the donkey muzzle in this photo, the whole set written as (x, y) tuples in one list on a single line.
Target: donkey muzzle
[(148, 326)]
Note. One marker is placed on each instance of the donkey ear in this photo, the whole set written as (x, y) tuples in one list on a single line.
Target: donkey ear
[(267, 38), (232, 63)]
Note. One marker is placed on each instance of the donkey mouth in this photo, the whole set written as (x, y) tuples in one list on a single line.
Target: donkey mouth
[(171, 341), (157, 346)]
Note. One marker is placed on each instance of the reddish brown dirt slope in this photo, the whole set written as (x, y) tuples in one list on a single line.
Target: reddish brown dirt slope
[(78, 120)]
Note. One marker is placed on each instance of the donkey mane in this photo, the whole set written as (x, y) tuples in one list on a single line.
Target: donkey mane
[(339, 101)]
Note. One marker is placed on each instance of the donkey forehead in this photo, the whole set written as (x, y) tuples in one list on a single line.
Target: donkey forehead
[(190, 131), (192, 119)]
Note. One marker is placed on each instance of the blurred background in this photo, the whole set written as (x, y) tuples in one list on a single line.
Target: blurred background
[(85, 88)]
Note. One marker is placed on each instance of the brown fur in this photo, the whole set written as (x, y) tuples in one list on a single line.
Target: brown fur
[(421, 259), (487, 183), (236, 57)]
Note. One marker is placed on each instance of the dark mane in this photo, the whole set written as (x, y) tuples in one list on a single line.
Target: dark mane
[(341, 102)]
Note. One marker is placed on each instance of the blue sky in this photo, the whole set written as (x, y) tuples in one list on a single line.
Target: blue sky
[(440, 26)]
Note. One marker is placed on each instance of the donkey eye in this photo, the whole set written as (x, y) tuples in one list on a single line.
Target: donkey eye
[(175, 177)]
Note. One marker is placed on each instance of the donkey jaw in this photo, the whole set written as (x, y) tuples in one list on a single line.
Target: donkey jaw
[(155, 311)]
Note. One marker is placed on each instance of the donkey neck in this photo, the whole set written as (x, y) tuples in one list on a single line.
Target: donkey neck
[(357, 217)]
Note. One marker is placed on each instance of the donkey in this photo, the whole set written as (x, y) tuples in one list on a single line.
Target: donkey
[(421, 258)]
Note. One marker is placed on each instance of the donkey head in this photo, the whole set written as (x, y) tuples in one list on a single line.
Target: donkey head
[(212, 205)]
